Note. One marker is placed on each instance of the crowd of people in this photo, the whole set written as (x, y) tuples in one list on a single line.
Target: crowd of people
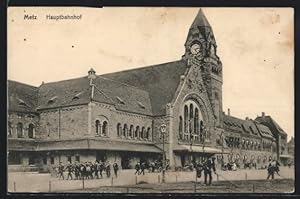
[(96, 170), (86, 170)]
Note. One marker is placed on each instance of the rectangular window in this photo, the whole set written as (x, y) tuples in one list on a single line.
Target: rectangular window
[(52, 160)]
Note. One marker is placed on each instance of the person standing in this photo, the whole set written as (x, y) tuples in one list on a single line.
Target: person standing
[(143, 166), (199, 169), (61, 171), (96, 169), (116, 168), (137, 168), (101, 168), (209, 165), (69, 168), (271, 169), (77, 170), (108, 169)]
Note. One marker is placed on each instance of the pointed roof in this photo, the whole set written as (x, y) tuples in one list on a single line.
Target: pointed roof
[(200, 20)]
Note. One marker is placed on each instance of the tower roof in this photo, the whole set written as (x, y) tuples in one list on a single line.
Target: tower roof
[(200, 20)]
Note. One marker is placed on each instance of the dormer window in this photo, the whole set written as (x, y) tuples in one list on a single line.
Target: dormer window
[(141, 105), (52, 100), (120, 101), (21, 102), (77, 96)]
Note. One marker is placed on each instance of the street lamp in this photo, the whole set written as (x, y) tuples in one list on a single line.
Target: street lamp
[(163, 129)]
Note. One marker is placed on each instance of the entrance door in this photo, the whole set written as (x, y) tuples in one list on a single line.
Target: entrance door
[(125, 161), (101, 156)]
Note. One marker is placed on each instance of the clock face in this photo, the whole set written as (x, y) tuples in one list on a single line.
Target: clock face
[(195, 49)]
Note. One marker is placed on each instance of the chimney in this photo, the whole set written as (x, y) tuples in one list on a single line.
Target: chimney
[(92, 74), (247, 118), (263, 114), (228, 111)]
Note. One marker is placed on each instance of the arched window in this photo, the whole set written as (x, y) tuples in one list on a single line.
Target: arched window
[(98, 127), (191, 119), (191, 111), (186, 118), (130, 135), (20, 130), (125, 130), (31, 131), (137, 132), (143, 133), (9, 129), (148, 133), (258, 159), (180, 127), (196, 122), (119, 130), (104, 128)]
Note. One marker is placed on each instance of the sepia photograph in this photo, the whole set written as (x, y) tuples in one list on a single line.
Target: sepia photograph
[(150, 100)]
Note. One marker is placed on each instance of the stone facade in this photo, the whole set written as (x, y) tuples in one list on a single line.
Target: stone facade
[(128, 108)]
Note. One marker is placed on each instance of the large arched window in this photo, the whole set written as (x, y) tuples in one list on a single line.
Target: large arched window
[(20, 130), (192, 118), (119, 130), (98, 127), (31, 131), (130, 131), (9, 129), (104, 129), (125, 130)]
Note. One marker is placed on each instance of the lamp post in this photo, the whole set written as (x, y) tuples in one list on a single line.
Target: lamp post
[(163, 129)]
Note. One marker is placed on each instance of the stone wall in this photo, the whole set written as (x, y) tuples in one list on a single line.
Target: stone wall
[(26, 119), (64, 123)]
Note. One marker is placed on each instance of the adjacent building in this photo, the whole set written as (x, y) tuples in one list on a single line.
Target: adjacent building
[(117, 116)]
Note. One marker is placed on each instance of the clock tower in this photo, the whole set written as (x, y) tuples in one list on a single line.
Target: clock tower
[(200, 50)]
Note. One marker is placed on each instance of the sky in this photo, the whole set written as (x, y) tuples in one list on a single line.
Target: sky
[(255, 45)]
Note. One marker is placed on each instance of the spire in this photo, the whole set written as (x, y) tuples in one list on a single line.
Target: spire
[(200, 20)]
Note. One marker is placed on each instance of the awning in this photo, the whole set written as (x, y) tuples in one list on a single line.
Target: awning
[(286, 156), (83, 144), (198, 149)]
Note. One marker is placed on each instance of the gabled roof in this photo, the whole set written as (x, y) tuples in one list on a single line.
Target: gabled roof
[(160, 81), (21, 97), (123, 96), (62, 93), (263, 130), (247, 126), (78, 91), (273, 126), (144, 90)]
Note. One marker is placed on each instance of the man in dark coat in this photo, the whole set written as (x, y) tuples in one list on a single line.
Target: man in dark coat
[(208, 166), (116, 168), (108, 169), (61, 171), (137, 168), (199, 168), (69, 168)]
